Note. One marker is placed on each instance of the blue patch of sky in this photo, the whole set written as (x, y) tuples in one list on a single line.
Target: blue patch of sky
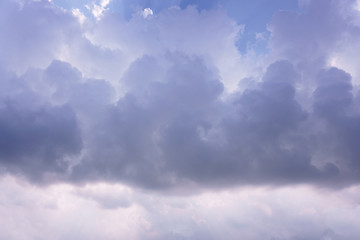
[(254, 14), (69, 4)]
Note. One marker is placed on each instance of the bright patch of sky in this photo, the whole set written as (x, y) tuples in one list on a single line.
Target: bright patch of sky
[(254, 15)]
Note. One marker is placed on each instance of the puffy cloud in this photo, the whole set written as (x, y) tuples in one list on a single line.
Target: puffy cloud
[(173, 129), (310, 35), (158, 99), (33, 33), (335, 106), (37, 138), (145, 127), (145, 101), (37, 142)]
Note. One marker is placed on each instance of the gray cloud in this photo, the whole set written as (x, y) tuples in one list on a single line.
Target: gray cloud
[(36, 138), (172, 124), (309, 36), (172, 128), (335, 105), (108, 127), (106, 200)]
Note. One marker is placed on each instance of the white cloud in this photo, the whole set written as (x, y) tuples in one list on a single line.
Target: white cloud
[(98, 9), (77, 13), (147, 12), (70, 212), (210, 34)]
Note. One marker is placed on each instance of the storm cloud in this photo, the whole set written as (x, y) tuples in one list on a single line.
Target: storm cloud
[(179, 119), (167, 120)]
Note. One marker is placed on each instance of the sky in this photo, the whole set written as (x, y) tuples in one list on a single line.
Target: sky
[(179, 119)]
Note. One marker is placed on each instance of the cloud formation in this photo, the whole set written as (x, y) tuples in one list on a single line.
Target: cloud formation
[(159, 114), (102, 211), (161, 127)]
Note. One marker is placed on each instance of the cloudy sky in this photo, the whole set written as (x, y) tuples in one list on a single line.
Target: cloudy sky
[(180, 119)]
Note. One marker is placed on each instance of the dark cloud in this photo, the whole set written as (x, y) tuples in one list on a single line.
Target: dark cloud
[(172, 124), (35, 143), (334, 104), (172, 128), (35, 138), (128, 140), (112, 124)]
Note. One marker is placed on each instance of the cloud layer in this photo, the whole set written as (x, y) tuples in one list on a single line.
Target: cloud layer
[(120, 124), (115, 211), (150, 102)]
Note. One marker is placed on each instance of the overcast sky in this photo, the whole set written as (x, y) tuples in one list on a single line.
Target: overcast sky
[(180, 119)]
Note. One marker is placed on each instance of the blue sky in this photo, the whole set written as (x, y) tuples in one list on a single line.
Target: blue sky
[(255, 15), (157, 120)]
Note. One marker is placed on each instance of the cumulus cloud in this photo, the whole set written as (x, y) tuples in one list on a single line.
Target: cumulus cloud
[(155, 126), (33, 33), (157, 113), (147, 12), (37, 137)]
